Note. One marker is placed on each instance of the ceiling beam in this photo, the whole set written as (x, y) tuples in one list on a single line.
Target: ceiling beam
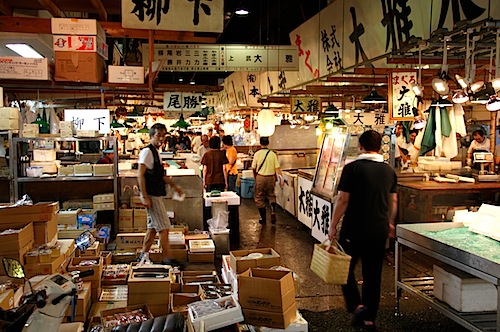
[(51, 7), (113, 29), (433, 61), (101, 11), (367, 79), (5, 8)]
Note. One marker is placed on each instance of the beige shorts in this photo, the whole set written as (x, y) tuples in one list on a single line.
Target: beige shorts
[(157, 214)]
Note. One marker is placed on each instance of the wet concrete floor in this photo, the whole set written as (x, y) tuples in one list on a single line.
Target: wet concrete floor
[(321, 304)]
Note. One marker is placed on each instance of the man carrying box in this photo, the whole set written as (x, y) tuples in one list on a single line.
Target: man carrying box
[(152, 179)]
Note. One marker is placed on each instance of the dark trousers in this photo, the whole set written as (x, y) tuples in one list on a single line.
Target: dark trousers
[(231, 182), (371, 253)]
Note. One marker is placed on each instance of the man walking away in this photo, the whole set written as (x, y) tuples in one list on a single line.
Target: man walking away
[(232, 156), (265, 165), (368, 201)]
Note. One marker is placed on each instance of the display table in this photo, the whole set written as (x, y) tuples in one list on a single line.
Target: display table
[(475, 263), (233, 202), (428, 201)]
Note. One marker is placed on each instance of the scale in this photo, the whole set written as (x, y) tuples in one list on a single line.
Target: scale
[(484, 159)]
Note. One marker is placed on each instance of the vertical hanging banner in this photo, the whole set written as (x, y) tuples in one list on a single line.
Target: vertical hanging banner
[(174, 15), (182, 101), (402, 99), (321, 218)]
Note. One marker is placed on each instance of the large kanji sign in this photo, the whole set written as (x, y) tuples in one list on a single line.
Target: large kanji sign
[(402, 99)]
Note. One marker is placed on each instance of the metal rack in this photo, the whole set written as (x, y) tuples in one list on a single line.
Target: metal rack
[(16, 180), (408, 235), (10, 136)]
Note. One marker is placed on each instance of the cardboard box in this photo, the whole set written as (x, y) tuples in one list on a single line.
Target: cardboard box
[(83, 302), (18, 67), (73, 233), (179, 302), (201, 246), (219, 319), (135, 202), (140, 218), (38, 208), (298, 325), (77, 26), (104, 206), (7, 299), (17, 238), (125, 218), (83, 170), (71, 327), (103, 169), (15, 254), (78, 67), (191, 284), (270, 258), (9, 113), (104, 198), (93, 44), (275, 320), (44, 154), (44, 268), (179, 252), (45, 231), (117, 311), (266, 290), (75, 204), (462, 291), (68, 170), (73, 266), (201, 257), (92, 251), (9, 124), (68, 217), (98, 307), (155, 292), (126, 74), (129, 240)]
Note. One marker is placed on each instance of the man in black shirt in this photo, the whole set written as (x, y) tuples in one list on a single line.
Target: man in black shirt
[(368, 201)]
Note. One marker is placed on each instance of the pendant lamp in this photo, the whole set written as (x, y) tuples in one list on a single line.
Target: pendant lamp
[(374, 98), (439, 84), (460, 97), (265, 121), (493, 104)]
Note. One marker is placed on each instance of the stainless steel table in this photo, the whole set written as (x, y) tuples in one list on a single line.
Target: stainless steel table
[(409, 235)]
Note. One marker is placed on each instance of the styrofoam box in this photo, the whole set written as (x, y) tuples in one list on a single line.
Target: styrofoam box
[(9, 113), (299, 325), (77, 26), (247, 174), (219, 319), (48, 166), (44, 154), (462, 291), (126, 74)]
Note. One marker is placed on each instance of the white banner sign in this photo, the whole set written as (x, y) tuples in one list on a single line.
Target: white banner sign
[(89, 119), (304, 201), (182, 101), (175, 15), (321, 218), (195, 57), (402, 99)]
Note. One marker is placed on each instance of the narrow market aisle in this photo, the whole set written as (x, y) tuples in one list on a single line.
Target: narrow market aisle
[(322, 305)]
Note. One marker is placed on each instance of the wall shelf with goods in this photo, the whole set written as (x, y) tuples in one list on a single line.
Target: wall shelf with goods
[(6, 166), (70, 153)]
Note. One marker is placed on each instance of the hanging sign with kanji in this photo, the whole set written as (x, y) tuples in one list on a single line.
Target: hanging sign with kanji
[(308, 104), (402, 99)]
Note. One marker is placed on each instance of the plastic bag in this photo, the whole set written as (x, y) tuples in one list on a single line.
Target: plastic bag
[(25, 200), (220, 223)]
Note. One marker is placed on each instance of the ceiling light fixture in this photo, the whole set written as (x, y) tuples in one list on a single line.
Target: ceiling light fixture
[(462, 81), (460, 97), (242, 11), (24, 50), (493, 104), (192, 82), (476, 86), (374, 98), (439, 84), (418, 90)]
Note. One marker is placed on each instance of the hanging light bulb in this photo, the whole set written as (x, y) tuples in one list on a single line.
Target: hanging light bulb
[(329, 125), (493, 104), (460, 97), (461, 81), (418, 90), (440, 86)]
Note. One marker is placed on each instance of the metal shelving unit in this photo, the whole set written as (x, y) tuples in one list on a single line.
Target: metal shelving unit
[(10, 136), (16, 179)]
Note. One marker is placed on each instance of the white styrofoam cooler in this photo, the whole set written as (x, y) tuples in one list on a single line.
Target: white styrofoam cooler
[(462, 291), (219, 319)]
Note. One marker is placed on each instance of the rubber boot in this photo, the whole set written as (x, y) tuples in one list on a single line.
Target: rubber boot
[(262, 212), (273, 213)]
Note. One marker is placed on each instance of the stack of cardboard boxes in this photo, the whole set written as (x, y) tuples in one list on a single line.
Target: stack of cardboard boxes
[(9, 118), (80, 50)]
